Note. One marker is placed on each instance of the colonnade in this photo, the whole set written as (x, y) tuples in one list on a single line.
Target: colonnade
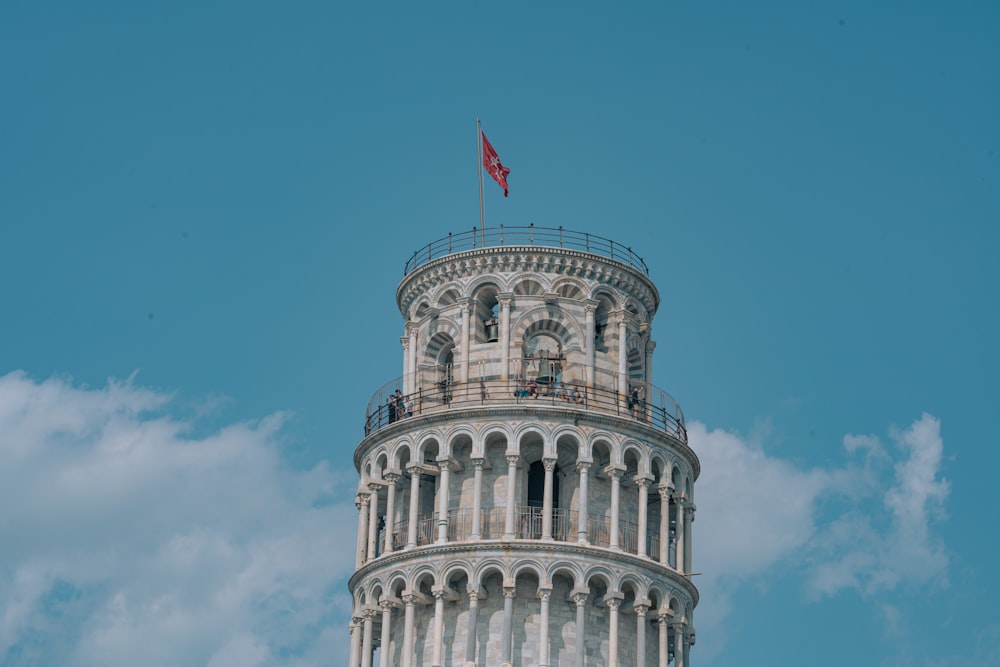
[(368, 503), (363, 641)]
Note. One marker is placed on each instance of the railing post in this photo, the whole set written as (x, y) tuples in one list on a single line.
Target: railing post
[(449, 243), (501, 234), (531, 233), (560, 236), (474, 230)]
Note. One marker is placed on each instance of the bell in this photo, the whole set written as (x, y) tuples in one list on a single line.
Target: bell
[(544, 370), (492, 332)]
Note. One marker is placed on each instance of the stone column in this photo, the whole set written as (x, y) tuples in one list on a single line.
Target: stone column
[(362, 502), (507, 635), (642, 537), (583, 467), (615, 506), (504, 301), (470, 639), (664, 492), (613, 605), (581, 614), (404, 342), (662, 616), (438, 625), (679, 556), (640, 634), (411, 529), (550, 466), (466, 305), (354, 660), (679, 645), (366, 643), (443, 501), (590, 308), (622, 356), (512, 461), (689, 519), (391, 479), (544, 593), (411, 371), (650, 346), (406, 652), (372, 523), (477, 499), (385, 634)]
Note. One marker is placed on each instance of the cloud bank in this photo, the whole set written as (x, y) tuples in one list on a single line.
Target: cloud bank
[(865, 525), (128, 540)]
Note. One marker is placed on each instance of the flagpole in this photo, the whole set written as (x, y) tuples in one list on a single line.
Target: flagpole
[(479, 151)]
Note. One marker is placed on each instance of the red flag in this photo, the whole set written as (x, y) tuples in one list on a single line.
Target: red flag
[(491, 161)]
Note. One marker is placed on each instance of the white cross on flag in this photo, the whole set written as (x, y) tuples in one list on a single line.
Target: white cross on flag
[(491, 161)]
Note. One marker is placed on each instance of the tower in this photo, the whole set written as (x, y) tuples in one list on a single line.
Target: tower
[(525, 492)]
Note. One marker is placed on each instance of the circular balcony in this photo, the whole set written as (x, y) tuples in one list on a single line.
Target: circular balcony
[(642, 402), (551, 237)]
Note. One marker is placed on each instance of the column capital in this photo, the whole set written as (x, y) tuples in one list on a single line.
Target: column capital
[(614, 470), (411, 327), (466, 303), (375, 487), (549, 464), (544, 593), (613, 603), (664, 493), (386, 605), (370, 613), (580, 598), (513, 459), (505, 299), (478, 463), (583, 466), (409, 599), (642, 480), (510, 591), (391, 478), (590, 306), (640, 609), (362, 499)]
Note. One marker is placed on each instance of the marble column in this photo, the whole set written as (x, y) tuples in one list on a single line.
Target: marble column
[(372, 523), (663, 616), (512, 461), (438, 625), (584, 468), (362, 502), (543, 632), (354, 659), (688, 542), (391, 479), (470, 638), (642, 537), (411, 371), (507, 634), (613, 605), (477, 499), (504, 301), (590, 308), (680, 549), (616, 475), (581, 634), (442, 522), (404, 342), (664, 524), (622, 357), (406, 651), (411, 529), (640, 634), (678, 645), (466, 306), (385, 634), (550, 466), (366, 642)]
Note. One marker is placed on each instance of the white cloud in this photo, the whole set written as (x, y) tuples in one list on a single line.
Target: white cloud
[(862, 525), (127, 541)]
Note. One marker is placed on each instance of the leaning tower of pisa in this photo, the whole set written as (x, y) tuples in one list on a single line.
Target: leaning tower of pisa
[(525, 492)]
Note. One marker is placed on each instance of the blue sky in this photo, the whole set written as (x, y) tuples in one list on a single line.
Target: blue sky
[(205, 209)]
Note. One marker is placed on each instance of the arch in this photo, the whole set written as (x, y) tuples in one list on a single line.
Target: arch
[(421, 310), (530, 284), (447, 295), (570, 288)]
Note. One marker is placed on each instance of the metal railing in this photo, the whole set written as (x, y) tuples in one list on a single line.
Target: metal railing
[(655, 407), (549, 237)]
